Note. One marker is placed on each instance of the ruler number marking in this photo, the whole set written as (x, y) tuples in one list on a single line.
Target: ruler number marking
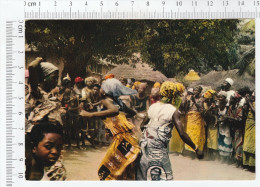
[(20, 29), (256, 3), (132, 3), (241, 3), (194, 3), (116, 3), (178, 3), (225, 3), (101, 3), (210, 3), (55, 3), (31, 3), (163, 3), (70, 4), (148, 3)]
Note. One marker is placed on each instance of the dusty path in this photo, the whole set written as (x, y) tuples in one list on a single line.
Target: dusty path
[(83, 165)]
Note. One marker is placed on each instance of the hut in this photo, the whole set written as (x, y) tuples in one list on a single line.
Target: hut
[(140, 72), (191, 76), (215, 78)]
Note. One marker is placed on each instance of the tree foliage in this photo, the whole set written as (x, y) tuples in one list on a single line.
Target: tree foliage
[(170, 46)]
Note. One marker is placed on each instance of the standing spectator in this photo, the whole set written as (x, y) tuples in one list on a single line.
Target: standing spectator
[(100, 133), (226, 86), (155, 93), (88, 128), (195, 123), (70, 102), (249, 138), (210, 117), (235, 118), (224, 132), (79, 85)]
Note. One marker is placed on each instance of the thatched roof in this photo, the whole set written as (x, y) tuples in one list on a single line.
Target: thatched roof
[(171, 79), (216, 78), (141, 71)]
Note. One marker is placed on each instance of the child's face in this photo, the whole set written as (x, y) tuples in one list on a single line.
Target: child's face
[(95, 90), (49, 149)]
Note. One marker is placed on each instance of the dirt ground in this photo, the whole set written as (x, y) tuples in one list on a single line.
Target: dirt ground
[(83, 165)]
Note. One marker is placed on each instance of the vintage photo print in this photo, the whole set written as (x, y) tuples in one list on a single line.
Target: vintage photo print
[(140, 100)]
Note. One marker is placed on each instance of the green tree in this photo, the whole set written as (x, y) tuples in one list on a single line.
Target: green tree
[(170, 46), (175, 46)]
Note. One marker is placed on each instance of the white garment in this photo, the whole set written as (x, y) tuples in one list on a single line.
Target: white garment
[(161, 112), (229, 94), (242, 102)]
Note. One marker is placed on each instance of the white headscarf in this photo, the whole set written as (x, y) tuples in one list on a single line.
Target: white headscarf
[(48, 68), (230, 81), (115, 88)]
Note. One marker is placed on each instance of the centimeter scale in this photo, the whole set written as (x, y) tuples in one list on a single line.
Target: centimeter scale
[(13, 66)]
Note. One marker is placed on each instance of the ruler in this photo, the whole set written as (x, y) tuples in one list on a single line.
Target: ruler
[(12, 70), (14, 101), (142, 9)]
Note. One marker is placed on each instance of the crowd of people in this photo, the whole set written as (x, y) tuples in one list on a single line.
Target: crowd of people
[(141, 128)]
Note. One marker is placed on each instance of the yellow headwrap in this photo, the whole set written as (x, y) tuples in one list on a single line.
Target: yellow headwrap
[(157, 85), (167, 91), (180, 87), (136, 84), (209, 94)]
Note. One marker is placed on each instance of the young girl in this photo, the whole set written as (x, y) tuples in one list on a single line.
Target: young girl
[(42, 160)]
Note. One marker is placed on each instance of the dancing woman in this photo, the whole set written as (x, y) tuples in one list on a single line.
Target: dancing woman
[(163, 116), (119, 161)]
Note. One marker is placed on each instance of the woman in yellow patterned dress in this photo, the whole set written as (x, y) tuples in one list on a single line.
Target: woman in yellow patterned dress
[(119, 161), (195, 123), (210, 117), (249, 138)]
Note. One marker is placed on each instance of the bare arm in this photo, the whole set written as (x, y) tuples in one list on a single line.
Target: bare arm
[(111, 110)]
